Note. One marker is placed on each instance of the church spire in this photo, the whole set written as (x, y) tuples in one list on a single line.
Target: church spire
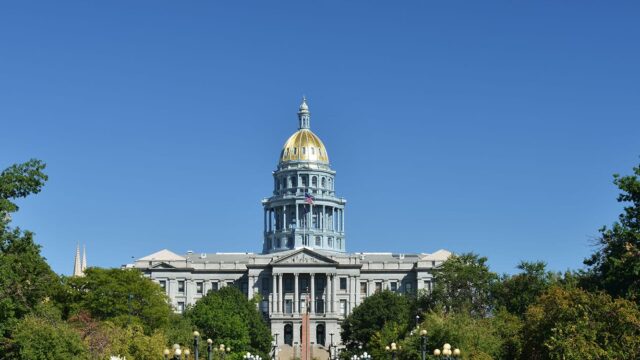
[(77, 263), (84, 258), (304, 116)]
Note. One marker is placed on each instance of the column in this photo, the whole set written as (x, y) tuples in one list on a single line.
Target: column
[(327, 294), (369, 288), (357, 294), (333, 293), (312, 301), (297, 216), (352, 293), (342, 212), (296, 294), (284, 217), (274, 296), (265, 220), (280, 294), (252, 280)]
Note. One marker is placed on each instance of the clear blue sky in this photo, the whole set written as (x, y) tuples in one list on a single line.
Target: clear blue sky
[(485, 126)]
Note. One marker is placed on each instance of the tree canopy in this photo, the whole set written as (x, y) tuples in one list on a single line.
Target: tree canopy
[(228, 317)]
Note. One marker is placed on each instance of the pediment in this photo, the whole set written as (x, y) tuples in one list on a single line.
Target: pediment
[(305, 257), (163, 265)]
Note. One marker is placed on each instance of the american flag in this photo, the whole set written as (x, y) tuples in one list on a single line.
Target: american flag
[(308, 198)]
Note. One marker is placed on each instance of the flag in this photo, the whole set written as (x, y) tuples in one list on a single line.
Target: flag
[(308, 198)]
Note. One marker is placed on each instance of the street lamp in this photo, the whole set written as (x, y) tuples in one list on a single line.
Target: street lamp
[(166, 353), (249, 356), (392, 349), (186, 353), (177, 353), (417, 321), (447, 353), (196, 338), (331, 357), (209, 349), (423, 343), (275, 346)]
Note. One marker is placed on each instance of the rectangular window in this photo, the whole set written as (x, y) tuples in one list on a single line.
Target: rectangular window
[(393, 286), (339, 243), (363, 288), (180, 306), (318, 240), (265, 286), (288, 306), (288, 284), (231, 283), (330, 242), (214, 286), (319, 306), (199, 287), (343, 307), (319, 283), (343, 283), (181, 286), (408, 288), (427, 285), (304, 284), (163, 285), (378, 286)]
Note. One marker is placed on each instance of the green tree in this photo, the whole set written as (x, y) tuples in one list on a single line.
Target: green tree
[(615, 267), (123, 296), (463, 283), (25, 277), (227, 317), (372, 315), (515, 293), (40, 338), (574, 324)]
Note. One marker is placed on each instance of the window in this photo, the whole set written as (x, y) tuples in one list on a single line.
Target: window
[(363, 288), (199, 288), (339, 243), (181, 286), (393, 286), (304, 150), (323, 182), (318, 240), (230, 283), (288, 306), (408, 288), (181, 306), (214, 286), (288, 284), (330, 241), (304, 284), (343, 307), (295, 151), (319, 306), (427, 285), (314, 181), (378, 286), (313, 151), (265, 286), (289, 242), (319, 283), (163, 285), (343, 283)]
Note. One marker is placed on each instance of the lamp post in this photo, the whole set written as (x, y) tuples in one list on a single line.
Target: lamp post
[(196, 338), (392, 349), (423, 343), (447, 353), (166, 353), (417, 321), (331, 347), (186, 353), (209, 349), (275, 347), (177, 353), (249, 356)]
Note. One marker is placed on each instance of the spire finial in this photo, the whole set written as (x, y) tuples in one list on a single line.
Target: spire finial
[(77, 263), (304, 116)]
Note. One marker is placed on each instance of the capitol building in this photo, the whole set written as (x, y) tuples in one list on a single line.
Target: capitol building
[(304, 265)]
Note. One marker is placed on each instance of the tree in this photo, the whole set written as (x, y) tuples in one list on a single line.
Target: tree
[(25, 277), (228, 317), (373, 314), (516, 293), (39, 338), (463, 283), (123, 296), (575, 324), (615, 266)]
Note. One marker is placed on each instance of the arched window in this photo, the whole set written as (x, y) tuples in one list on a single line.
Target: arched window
[(314, 181), (320, 336), (305, 180), (288, 334), (324, 182), (330, 241), (318, 240), (304, 150)]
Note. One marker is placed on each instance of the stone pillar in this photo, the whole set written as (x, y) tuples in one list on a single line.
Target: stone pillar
[(369, 288), (327, 294), (280, 294), (252, 280), (296, 294), (297, 216), (284, 217), (334, 308), (274, 295), (312, 300)]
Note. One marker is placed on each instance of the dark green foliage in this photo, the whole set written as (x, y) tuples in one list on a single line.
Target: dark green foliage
[(19, 181), (40, 338), (515, 293), (373, 314), (463, 284), (227, 317), (575, 324), (615, 267), (123, 296)]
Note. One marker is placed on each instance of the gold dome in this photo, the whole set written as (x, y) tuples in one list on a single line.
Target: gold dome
[(304, 145)]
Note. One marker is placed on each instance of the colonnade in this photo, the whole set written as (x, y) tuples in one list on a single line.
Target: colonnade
[(328, 218), (326, 294)]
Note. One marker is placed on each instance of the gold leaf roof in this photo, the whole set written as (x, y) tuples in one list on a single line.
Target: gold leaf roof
[(304, 145)]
